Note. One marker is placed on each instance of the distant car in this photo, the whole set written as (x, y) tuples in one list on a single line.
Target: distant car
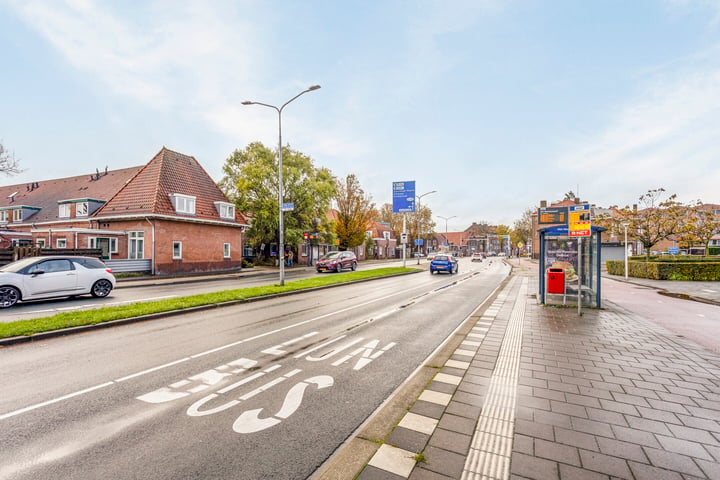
[(35, 278), (418, 254), (477, 257), (336, 261), (444, 263)]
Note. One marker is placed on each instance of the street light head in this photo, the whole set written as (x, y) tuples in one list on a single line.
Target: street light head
[(314, 87), (247, 102)]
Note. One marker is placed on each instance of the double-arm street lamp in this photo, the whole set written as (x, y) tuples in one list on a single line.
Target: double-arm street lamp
[(281, 226), (447, 242), (417, 210)]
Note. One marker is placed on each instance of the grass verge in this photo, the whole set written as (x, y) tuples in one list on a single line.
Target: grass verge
[(108, 314)]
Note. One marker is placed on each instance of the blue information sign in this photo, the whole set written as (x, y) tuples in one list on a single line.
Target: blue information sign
[(404, 197)]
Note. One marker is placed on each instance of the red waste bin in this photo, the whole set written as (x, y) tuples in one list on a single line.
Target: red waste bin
[(555, 280)]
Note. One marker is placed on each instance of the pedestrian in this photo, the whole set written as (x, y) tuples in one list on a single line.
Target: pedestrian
[(290, 259)]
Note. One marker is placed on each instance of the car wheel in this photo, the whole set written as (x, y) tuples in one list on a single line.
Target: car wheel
[(353, 267), (338, 268), (9, 296), (101, 288)]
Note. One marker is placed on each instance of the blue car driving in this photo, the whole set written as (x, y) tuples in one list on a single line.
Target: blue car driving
[(444, 263)]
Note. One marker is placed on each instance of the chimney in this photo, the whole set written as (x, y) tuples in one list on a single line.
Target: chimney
[(543, 203)]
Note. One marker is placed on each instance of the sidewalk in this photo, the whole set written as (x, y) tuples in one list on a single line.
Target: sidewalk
[(540, 392)]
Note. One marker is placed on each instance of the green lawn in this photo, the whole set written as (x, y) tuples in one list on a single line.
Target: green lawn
[(107, 314)]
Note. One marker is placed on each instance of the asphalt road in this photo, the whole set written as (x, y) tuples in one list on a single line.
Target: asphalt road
[(263, 390), (133, 291)]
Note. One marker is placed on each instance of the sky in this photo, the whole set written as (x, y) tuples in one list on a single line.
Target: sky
[(493, 104)]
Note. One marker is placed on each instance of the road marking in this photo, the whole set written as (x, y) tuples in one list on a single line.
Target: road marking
[(55, 400), (206, 352)]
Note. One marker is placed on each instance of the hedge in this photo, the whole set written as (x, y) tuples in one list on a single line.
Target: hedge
[(667, 270)]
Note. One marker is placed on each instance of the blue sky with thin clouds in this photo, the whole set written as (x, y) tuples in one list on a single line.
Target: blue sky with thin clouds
[(495, 104)]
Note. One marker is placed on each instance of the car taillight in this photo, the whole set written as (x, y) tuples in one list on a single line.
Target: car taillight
[(108, 270)]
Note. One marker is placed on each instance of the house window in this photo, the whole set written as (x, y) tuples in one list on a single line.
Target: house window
[(226, 250), (225, 210), (64, 210), (17, 215), (3, 215), (98, 242), (81, 209), (136, 245), (177, 250), (183, 203), (40, 242), (61, 243)]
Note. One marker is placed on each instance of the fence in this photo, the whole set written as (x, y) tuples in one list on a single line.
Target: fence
[(8, 255)]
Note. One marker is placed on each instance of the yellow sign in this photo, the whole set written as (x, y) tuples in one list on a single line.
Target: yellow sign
[(579, 224)]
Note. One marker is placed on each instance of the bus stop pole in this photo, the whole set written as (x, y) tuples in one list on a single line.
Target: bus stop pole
[(579, 272)]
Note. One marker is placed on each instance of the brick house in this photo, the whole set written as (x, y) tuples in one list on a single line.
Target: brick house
[(165, 217)]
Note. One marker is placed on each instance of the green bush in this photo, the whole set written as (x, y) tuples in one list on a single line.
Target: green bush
[(661, 269)]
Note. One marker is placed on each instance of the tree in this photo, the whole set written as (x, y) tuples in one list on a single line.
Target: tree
[(503, 232), (522, 228), (355, 211), (8, 164), (571, 196), (699, 225), (250, 181), (656, 218)]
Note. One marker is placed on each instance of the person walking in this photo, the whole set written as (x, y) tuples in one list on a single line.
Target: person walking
[(290, 259)]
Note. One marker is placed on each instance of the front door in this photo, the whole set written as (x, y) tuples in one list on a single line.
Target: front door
[(104, 245)]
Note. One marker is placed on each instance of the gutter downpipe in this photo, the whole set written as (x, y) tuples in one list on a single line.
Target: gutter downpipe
[(152, 260)]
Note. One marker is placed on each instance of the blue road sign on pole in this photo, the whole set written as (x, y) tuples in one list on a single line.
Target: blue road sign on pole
[(404, 197)]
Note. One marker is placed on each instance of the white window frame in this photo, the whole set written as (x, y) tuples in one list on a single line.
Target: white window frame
[(17, 215), (4, 216), (40, 242), (177, 250), (225, 210), (81, 209), (184, 204), (226, 250), (64, 210), (136, 245), (92, 243), (61, 243)]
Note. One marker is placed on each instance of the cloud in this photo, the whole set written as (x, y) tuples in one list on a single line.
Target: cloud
[(665, 136), (172, 56)]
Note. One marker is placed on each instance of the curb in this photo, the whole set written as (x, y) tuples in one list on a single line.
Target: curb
[(8, 341)]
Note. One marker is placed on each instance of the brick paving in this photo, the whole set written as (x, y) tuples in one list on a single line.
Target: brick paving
[(600, 396)]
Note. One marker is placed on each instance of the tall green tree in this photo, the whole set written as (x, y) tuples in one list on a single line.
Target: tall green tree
[(418, 224), (250, 181), (355, 211)]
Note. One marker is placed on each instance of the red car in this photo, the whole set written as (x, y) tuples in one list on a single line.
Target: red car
[(336, 262)]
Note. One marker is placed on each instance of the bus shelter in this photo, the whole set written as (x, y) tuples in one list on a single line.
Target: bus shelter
[(569, 266)]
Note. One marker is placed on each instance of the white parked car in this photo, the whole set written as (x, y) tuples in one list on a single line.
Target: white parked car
[(35, 278)]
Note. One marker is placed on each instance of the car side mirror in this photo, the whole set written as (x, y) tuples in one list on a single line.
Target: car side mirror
[(38, 272)]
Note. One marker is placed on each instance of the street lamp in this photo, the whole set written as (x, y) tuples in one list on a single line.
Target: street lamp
[(625, 247), (447, 243), (281, 226), (417, 210)]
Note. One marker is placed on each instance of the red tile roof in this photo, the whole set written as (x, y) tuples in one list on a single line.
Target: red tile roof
[(148, 192)]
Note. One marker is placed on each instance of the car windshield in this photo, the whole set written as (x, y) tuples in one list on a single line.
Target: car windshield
[(441, 257), (19, 265), (331, 255)]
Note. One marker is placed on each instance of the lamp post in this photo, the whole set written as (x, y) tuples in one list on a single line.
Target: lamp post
[(625, 226), (417, 210), (281, 226), (447, 243)]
